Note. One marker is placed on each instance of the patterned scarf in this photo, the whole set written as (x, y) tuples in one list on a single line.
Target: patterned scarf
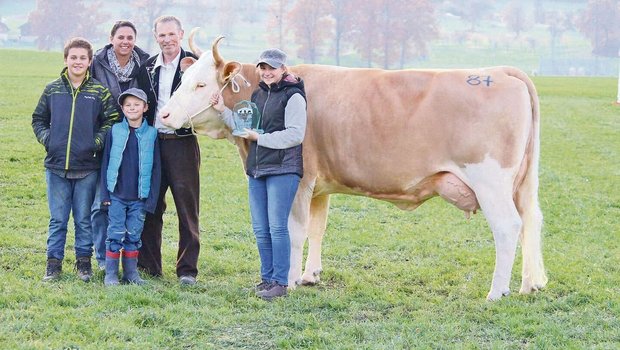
[(123, 74)]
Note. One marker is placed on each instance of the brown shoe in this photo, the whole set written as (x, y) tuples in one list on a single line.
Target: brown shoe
[(276, 291), (53, 269), (83, 267)]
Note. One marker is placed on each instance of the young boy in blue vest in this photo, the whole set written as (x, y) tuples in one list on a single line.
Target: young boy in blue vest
[(130, 178)]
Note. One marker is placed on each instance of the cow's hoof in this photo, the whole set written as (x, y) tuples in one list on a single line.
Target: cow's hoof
[(493, 295), (311, 279), (309, 282), (527, 288), (293, 283)]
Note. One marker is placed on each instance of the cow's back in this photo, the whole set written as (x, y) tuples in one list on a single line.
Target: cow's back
[(364, 124)]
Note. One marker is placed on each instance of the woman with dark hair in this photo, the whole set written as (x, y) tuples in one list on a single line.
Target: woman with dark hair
[(116, 66)]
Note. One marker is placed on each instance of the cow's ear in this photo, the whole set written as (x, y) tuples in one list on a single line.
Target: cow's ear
[(230, 70), (186, 62)]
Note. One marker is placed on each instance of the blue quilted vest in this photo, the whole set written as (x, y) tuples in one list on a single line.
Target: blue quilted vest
[(146, 136)]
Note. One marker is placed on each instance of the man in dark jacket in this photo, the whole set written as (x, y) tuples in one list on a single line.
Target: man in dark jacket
[(159, 77), (71, 120)]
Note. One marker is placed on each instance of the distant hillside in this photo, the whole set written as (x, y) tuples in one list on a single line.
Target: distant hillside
[(490, 43)]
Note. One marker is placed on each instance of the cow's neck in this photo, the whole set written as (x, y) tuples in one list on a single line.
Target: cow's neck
[(243, 146), (245, 93), (248, 71)]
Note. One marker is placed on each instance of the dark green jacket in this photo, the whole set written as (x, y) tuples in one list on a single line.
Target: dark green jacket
[(72, 123)]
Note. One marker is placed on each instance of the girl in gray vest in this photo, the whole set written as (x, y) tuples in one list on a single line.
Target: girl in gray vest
[(274, 165)]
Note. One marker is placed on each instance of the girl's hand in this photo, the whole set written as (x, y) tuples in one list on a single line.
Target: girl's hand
[(250, 134), (217, 102)]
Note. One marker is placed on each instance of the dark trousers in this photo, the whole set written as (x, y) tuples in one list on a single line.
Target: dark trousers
[(180, 164)]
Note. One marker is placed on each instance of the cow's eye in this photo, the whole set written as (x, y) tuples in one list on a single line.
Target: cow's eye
[(200, 85)]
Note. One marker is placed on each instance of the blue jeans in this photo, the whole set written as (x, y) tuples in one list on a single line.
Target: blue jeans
[(271, 198), (99, 223), (63, 196), (126, 221)]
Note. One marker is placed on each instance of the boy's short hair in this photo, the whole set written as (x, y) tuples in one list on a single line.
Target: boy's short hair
[(166, 18), (80, 43)]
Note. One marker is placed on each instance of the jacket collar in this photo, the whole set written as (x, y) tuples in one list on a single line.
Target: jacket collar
[(64, 74), (152, 68), (140, 129), (102, 54), (159, 61)]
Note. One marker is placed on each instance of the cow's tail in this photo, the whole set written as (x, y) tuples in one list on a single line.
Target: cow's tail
[(526, 199)]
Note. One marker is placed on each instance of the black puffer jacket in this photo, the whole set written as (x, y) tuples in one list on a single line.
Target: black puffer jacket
[(271, 101)]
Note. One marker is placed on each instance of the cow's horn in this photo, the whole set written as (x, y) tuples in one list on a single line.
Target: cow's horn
[(219, 61), (195, 49)]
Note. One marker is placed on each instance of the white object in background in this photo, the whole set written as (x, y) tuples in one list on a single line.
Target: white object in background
[(618, 98)]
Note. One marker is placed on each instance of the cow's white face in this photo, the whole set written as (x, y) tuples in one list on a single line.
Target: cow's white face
[(189, 105)]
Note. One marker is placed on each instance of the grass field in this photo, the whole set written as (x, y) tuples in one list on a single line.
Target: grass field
[(392, 279)]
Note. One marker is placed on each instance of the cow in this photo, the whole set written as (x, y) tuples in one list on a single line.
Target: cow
[(470, 136)]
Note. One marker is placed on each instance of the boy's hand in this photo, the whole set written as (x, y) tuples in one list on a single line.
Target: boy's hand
[(106, 203)]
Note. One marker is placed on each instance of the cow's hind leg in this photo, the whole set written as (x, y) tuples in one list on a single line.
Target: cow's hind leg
[(493, 188), (533, 274), (319, 208), (505, 222)]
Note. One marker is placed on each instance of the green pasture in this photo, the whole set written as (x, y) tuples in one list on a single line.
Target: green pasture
[(392, 279)]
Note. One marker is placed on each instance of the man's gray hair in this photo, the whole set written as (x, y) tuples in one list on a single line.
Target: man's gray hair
[(166, 18)]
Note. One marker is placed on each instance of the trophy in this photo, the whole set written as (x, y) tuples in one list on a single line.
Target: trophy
[(246, 116)]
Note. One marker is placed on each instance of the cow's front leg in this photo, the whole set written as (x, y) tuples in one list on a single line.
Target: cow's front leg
[(298, 225), (319, 207)]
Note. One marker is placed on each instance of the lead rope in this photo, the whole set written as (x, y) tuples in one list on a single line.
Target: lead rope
[(235, 88)]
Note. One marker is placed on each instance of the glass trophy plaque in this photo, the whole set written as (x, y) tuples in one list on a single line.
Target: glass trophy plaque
[(246, 116)]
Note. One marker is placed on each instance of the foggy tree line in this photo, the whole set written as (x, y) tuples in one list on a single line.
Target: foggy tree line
[(385, 33)]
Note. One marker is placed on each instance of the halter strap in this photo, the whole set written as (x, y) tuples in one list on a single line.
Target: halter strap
[(235, 88)]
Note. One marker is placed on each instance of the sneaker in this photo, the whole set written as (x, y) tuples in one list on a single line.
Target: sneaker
[(187, 280), (53, 269), (276, 291), (264, 285), (83, 267)]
